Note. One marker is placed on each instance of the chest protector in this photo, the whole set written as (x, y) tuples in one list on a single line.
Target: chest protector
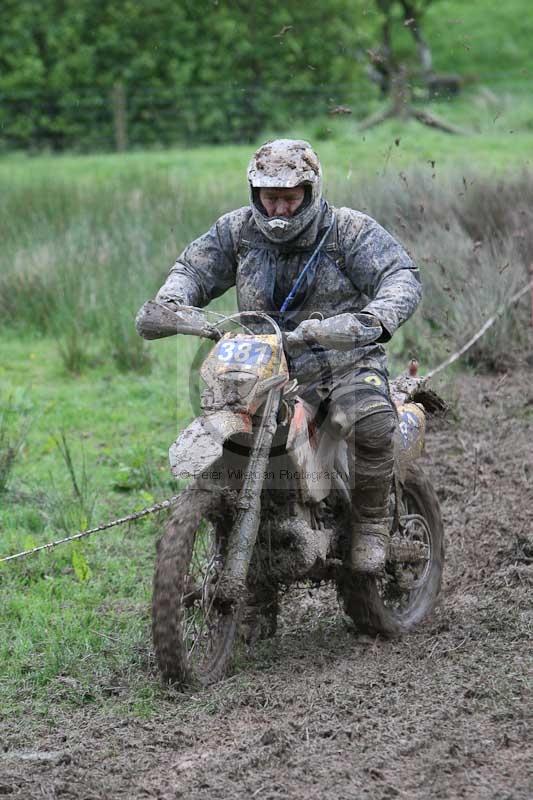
[(266, 273)]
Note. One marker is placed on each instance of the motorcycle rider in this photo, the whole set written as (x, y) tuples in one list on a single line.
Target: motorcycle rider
[(293, 255)]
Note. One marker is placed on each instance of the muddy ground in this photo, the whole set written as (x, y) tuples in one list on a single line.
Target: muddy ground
[(321, 712)]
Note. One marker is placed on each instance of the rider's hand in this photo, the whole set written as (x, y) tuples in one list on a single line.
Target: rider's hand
[(190, 320), (304, 333), (342, 332)]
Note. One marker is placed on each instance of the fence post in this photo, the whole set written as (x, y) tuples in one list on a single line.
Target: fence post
[(531, 280), (120, 122)]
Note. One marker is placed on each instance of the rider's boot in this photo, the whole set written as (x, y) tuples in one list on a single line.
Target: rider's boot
[(372, 470), (370, 545)]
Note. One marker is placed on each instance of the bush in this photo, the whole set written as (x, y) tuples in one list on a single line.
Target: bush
[(191, 72)]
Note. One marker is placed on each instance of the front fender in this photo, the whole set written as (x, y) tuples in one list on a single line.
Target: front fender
[(202, 442)]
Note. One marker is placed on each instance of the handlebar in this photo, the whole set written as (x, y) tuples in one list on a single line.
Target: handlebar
[(156, 321)]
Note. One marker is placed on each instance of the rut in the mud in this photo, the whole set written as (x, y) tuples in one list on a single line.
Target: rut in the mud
[(319, 712)]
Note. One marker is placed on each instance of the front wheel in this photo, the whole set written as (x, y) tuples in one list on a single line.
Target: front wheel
[(393, 603), (193, 629)]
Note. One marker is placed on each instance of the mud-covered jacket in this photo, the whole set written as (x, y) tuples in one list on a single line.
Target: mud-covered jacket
[(360, 267)]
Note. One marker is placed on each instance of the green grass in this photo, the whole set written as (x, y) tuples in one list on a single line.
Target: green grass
[(65, 638), (85, 240), (484, 39), (500, 127)]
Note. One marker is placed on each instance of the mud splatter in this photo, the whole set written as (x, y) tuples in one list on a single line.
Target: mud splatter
[(321, 712)]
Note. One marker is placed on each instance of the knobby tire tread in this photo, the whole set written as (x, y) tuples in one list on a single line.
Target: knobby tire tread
[(174, 554), (360, 594)]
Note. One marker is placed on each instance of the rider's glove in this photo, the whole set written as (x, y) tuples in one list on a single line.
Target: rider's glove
[(342, 332)]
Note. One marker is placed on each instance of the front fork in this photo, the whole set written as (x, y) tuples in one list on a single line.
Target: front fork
[(246, 526)]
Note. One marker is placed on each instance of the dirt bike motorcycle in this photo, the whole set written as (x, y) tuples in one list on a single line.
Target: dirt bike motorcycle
[(269, 506)]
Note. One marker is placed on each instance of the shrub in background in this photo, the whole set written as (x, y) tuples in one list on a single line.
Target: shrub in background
[(191, 72)]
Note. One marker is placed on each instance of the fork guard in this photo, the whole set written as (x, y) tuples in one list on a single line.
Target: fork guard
[(202, 442)]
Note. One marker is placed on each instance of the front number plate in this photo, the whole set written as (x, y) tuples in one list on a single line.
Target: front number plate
[(241, 353)]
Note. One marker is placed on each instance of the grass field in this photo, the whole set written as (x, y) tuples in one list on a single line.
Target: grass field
[(85, 241), (498, 128)]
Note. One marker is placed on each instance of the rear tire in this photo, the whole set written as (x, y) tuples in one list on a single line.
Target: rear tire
[(367, 599), (193, 633)]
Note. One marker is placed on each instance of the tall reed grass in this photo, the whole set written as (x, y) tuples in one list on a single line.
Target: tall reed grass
[(472, 236), (78, 259), (15, 421)]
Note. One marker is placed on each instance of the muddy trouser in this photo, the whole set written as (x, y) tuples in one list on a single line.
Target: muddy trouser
[(361, 411)]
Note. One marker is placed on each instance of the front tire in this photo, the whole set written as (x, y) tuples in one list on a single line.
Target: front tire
[(193, 632), (392, 604)]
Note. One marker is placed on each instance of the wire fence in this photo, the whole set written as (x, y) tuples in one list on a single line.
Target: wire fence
[(88, 118), (418, 382), (121, 117)]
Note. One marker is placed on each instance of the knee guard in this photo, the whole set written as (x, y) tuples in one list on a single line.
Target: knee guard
[(372, 442)]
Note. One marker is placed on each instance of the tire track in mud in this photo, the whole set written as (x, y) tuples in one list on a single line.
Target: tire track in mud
[(319, 712)]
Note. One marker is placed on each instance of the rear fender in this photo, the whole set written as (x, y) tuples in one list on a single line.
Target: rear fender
[(202, 442)]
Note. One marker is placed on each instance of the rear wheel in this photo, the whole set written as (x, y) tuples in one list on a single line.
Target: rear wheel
[(194, 629), (393, 603)]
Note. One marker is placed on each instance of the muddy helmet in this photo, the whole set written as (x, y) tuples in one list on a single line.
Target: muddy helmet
[(285, 163)]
